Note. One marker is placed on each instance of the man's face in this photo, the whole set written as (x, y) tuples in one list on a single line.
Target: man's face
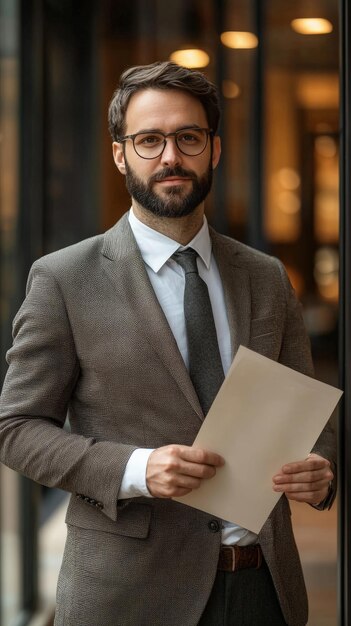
[(173, 184)]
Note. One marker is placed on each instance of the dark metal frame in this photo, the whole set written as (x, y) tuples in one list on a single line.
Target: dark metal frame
[(30, 246), (220, 217), (345, 321), (256, 237)]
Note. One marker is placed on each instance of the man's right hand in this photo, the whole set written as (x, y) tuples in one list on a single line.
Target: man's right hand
[(175, 470)]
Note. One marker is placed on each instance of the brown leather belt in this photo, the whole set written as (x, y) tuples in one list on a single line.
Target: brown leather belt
[(233, 558)]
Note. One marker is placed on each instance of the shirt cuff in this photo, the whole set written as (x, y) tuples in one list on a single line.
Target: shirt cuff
[(134, 478)]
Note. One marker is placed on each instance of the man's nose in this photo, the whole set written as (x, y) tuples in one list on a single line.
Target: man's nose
[(171, 155)]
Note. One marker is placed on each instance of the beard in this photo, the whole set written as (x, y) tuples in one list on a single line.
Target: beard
[(175, 201)]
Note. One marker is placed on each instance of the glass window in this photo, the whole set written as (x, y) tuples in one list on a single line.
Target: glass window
[(10, 566), (301, 209), (300, 160)]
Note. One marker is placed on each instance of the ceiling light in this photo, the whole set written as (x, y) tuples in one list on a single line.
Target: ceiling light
[(239, 39), (192, 57), (312, 26)]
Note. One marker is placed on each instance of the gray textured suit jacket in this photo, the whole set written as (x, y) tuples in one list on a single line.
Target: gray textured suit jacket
[(91, 339)]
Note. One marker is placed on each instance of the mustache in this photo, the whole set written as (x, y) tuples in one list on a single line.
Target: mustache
[(172, 171)]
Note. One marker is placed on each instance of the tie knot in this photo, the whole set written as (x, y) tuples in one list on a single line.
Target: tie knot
[(187, 260)]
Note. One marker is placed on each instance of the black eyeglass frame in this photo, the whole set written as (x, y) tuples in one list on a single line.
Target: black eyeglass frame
[(209, 133)]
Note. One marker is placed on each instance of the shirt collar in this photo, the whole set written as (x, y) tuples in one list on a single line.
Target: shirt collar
[(156, 249)]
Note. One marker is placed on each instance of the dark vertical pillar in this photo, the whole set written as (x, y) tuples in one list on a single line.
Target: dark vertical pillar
[(255, 217), (72, 121), (345, 322), (31, 203), (30, 245), (220, 217)]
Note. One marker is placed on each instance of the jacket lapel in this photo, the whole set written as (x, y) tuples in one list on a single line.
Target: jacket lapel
[(236, 286), (125, 267)]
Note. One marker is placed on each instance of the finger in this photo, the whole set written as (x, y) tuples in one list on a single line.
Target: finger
[(180, 492), (184, 468), (301, 487), (186, 460), (171, 486), (167, 474), (305, 477), (199, 455), (175, 483), (311, 463), (310, 497), (196, 470)]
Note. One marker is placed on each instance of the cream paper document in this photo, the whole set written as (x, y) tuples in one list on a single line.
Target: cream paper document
[(265, 415)]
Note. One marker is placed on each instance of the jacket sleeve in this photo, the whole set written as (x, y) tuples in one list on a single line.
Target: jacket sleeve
[(42, 374), (296, 353)]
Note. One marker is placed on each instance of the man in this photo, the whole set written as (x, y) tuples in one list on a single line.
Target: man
[(106, 333)]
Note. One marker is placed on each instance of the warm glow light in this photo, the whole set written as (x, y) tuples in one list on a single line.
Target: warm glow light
[(239, 39), (193, 57), (230, 89), (326, 272), (326, 146), (312, 26), (288, 202), (289, 178), (318, 91)]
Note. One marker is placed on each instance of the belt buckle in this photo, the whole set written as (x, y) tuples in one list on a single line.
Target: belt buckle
[(232, 549)]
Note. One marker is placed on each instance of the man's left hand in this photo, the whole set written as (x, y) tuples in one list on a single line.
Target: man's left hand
[(305, 481)]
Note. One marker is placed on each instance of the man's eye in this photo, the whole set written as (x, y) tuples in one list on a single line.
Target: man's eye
[(149, 140), (189, 138)]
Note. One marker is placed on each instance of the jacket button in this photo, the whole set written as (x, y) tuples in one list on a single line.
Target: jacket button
[(214, 526)]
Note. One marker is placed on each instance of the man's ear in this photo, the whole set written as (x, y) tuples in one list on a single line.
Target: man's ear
[(118, 156), (216, 150)]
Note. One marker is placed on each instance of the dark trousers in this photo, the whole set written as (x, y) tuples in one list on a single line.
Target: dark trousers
[(243, 598)]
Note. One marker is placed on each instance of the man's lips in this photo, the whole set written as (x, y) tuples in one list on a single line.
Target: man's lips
[(173, 180)]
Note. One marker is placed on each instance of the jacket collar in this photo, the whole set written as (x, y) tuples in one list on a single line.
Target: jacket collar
[(126, 270)]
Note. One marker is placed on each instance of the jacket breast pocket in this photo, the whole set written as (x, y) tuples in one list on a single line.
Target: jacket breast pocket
[(263, 326), (265, 336)]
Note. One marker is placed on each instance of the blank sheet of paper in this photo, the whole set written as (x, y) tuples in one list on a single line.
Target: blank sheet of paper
[(265, 415)]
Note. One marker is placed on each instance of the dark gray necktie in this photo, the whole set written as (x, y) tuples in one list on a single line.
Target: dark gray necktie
[(205, 365)]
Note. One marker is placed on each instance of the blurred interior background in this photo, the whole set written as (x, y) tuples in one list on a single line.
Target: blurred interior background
[(277, 188)]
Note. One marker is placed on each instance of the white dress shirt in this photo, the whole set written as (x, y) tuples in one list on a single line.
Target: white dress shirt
[(168, 281)]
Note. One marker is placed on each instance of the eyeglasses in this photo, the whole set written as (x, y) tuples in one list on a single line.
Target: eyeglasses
[(150, 145)]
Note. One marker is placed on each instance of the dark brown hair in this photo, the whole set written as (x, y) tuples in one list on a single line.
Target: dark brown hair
[(161, 75)]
